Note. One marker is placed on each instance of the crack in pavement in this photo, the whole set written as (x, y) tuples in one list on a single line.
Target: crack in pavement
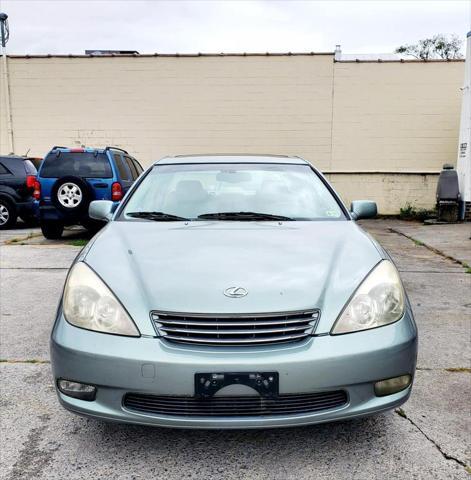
[(32, 361), (428, 247), (34, 268), (400, 411), (427, 272), (447, 456), (447, 369), (32, 460)]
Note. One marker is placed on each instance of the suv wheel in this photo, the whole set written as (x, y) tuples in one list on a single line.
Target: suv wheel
[(7, 214), (71, 194), (52, 230)]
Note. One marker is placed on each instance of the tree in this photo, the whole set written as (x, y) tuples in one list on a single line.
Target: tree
[(438, 46)]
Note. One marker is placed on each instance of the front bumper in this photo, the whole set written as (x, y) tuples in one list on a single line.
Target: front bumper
[(118, 365)]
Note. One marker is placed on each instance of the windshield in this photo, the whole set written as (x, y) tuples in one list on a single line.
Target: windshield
[(81, 164), (232, 192)]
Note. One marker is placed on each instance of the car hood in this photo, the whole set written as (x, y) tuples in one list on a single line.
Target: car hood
[(175, 267)]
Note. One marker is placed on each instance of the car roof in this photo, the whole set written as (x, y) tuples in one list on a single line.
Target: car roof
[(231, 158)]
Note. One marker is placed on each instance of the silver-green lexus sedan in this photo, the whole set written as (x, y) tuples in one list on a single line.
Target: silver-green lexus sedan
[(232, 291)]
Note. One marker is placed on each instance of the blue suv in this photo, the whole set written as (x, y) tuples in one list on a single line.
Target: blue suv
[(70, 178)]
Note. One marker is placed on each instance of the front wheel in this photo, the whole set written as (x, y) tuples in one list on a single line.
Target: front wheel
[(52, 230), (7, 214)]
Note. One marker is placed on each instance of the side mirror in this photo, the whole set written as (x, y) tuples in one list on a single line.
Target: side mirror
[(101, 210), (363, 209)]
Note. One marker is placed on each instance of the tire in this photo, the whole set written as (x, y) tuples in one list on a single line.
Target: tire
[(52, 230), (8, 214), (71, 194)]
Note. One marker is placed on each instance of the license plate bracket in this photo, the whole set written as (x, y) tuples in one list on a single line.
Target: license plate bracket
[(265, 383)]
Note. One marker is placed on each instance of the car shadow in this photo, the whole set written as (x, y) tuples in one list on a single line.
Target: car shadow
[(259, 446), (332, 450)]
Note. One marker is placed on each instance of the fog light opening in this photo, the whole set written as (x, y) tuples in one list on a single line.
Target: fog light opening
[(78, 390), (392, 385)]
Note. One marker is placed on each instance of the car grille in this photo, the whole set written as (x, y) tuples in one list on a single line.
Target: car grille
[(235, 406), (235, 329)]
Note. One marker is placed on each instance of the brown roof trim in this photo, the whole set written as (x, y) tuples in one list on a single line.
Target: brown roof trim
[(266, 54)]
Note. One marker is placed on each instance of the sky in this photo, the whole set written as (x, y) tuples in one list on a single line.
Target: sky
[(375, 26)]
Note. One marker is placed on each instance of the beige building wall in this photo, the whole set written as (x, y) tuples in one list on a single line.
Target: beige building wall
[(373, 119), (394, 116), (157, 106)]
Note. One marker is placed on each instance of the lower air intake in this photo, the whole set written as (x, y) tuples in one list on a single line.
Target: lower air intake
[(235, 406)]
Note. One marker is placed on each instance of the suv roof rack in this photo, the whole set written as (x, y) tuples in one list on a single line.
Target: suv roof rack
[(117, 148), (55, 147)]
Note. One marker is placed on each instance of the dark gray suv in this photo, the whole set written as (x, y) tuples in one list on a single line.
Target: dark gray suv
[(17, 184)]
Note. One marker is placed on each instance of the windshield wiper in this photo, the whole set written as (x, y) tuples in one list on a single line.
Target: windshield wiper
[(157, 216), (243, 216)]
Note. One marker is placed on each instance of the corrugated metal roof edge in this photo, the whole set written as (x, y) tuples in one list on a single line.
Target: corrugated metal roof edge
[(243, 54), (267, 54)]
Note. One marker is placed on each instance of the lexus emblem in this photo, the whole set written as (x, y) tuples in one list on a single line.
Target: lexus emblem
[(235, 292)]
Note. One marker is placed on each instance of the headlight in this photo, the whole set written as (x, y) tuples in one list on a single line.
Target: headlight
[(378, 301), (88, 303)]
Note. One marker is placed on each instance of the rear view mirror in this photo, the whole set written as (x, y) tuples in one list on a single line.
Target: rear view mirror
[(233, 176), (101, 210), (363, 209)]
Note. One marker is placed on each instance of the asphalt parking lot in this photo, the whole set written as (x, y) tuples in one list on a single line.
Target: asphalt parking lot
[(430, 437)]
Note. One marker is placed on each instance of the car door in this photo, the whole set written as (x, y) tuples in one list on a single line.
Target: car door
[(9, 182), (5, 174)]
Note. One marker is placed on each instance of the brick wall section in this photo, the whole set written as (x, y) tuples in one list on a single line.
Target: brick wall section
[(373, 117), (391, 192)]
